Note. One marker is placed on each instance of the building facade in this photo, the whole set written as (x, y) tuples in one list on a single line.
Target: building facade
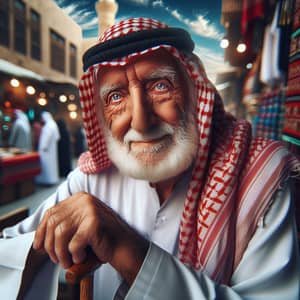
[(39, 36), (41, 50), (40, 61)]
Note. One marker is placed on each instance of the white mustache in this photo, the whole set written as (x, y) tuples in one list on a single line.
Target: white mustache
[(155, 133)]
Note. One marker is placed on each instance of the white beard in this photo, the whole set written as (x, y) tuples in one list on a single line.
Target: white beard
[(168, 158)]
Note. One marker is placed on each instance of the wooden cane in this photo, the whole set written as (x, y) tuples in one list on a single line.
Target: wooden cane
[(84, 273)]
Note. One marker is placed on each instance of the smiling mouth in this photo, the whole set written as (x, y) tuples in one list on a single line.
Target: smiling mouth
[(154, 145)]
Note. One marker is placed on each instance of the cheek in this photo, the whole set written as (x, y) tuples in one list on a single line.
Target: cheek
[(171, 111), (117, 120)]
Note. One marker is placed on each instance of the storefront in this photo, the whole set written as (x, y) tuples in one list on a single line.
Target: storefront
[(270, 31), (17, 172), (31, 93)]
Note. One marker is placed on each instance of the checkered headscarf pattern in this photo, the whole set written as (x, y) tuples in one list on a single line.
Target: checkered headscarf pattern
[(207, 232), (131, 25)]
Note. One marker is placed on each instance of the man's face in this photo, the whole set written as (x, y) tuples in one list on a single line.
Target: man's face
[(148, 123)]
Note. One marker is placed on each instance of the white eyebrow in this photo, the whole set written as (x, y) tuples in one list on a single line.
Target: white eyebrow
[(106, 88), (162, 72)]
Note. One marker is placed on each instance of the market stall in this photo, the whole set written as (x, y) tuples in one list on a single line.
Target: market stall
[(17, 172)]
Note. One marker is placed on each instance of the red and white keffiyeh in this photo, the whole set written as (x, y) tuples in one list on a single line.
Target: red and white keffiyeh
[(224, 201)]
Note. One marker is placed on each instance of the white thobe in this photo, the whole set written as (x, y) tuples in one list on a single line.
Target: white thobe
[(20, 135), (269, 268), (47, 148)]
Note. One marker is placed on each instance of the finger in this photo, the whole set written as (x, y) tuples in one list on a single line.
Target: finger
[(49, 242), (39, 237), (63, 236), (77, 247)]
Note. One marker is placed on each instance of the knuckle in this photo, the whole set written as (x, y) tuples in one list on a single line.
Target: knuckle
[(52, 221), (49, 212), (78, 242), (75, 243), (73, 248), (50, 216), (60, 230)]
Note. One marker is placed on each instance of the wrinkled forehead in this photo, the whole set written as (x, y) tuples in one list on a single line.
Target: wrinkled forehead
[(158, 63)]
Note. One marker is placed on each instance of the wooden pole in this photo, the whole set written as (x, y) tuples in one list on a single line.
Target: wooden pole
[(87, 287), (84, 273)]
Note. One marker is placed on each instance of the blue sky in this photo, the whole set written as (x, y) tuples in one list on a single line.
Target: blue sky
[(200, 18)]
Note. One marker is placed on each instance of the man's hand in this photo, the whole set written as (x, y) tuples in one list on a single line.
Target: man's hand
[(82, 221)]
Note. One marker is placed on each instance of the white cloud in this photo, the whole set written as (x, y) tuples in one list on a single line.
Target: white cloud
[(157, 3), (60, 3), (70, 9), (177, 15), (86, 19), (204, 28), (200, 26), (140, 2), (91, 24)]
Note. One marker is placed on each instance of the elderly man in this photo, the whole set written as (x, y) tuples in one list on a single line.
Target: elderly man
[(174, 195)]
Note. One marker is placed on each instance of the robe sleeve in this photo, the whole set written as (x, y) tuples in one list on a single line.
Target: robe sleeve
[(269, 268), (14, 249), (45, 283), (12, 265)]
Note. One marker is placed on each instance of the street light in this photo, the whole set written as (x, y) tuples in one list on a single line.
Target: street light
[(241, 47), (30, 90), (73, 114), (14, 82), (72, 107), (63, 98), (224, 43), (42, 101)]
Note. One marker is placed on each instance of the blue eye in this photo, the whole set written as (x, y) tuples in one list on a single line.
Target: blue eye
[(115, 97), (161, 86)]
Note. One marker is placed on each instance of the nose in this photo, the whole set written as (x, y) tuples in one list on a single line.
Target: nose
[(141, 115)]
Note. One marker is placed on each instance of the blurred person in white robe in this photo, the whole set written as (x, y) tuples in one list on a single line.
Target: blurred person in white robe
[(20, 136), (48, 151)]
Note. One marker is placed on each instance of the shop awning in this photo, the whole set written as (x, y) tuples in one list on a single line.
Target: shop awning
[(12, 69)]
